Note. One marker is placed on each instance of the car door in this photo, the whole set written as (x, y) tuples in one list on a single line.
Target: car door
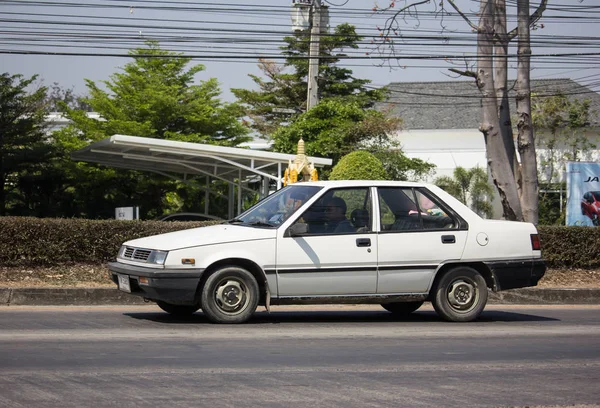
[(417, 234), (330, 259)]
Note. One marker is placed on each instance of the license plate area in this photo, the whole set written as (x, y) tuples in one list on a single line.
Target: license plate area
[(124, 283)]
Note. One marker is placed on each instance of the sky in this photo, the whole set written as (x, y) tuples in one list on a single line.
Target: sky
[(228, 38)]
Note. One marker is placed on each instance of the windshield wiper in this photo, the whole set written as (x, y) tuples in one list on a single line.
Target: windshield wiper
[(260, 224), (252, 224), (235, 221)]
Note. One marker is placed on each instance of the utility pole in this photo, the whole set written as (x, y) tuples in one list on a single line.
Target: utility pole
[(313, 55)]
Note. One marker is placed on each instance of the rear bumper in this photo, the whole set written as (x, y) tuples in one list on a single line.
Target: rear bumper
[(517, 273), (168, 285)]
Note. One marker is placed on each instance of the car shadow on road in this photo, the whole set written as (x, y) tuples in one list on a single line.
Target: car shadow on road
[(278, 317)]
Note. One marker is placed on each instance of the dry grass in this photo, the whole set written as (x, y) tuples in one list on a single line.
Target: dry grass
[(97, 276)]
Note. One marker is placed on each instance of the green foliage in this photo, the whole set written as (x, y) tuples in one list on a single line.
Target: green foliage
[(58, 99), (25, 153), (28, 241), (335, 128), (550, 204), (471, 187), (566, 120), (359, 165), (328, 130), (154, 96), (570, 247), (286, 86)]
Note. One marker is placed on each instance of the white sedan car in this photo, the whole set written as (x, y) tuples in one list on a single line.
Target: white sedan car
[(397, 244)]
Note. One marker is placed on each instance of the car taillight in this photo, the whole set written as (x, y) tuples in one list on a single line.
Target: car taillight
[(535, 242)]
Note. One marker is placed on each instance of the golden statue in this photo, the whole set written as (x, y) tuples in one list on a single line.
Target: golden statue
[(300, 167)]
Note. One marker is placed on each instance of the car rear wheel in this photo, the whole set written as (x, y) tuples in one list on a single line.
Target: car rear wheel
[(402, 308), (178, 310), (230, 295), (460, 295)]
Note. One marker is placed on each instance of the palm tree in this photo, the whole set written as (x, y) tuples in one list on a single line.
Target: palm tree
[(471, 187)]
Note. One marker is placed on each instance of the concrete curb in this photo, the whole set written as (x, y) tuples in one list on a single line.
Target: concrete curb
[(548, 296), (66, 297), (109, 296)]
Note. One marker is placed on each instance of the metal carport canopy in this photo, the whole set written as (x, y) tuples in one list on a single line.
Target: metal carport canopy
[(171, 158)]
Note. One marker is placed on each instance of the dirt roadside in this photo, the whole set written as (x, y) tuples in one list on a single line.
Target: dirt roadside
[(90, 276)]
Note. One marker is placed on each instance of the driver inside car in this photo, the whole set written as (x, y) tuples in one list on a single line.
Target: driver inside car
[(335, 211)]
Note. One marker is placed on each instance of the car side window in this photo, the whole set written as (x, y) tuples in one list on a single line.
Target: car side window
[(339, 211), (398, 209), (432, 215), (406, 209)]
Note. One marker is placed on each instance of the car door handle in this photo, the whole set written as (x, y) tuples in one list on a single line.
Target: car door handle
[(363, 242), (448, 239)]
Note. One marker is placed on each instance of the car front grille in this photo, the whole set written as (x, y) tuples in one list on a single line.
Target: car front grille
[(137, 254)]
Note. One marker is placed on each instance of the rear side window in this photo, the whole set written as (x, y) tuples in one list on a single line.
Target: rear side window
[(407, 209)]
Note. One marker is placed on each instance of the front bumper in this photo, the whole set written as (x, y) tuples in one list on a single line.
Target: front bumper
[(517, 273), (174, 286)]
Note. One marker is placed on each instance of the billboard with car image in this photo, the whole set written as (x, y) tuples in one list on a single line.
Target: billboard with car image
[(583, 194)]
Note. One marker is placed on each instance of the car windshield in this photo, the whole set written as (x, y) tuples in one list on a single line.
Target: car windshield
[(278, 207)]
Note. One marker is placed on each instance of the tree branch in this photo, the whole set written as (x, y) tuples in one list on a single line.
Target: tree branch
[(463, 73), (534, 18), (469, 22)]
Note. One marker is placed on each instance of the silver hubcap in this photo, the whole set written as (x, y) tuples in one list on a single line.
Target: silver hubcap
[(231, 296), (462, 294)]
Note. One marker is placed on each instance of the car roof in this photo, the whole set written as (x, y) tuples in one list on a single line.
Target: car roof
[(361, 183)]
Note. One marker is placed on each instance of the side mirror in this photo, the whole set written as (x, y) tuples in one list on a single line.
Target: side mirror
[(298, 229)]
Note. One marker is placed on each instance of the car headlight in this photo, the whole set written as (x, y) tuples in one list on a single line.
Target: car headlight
[(158, 257)]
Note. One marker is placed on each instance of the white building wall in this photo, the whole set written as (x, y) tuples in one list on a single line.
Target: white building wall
[(447, 149)]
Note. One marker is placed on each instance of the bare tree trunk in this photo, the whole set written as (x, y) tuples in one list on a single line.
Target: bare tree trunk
[(501, 85), (498, 160), (526, 141)]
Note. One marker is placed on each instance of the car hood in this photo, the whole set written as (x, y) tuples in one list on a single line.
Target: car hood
[(211, 235)]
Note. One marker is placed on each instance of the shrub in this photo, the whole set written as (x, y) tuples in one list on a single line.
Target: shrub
[(359, 165), (570, 247), (28, 241), (31, 242)]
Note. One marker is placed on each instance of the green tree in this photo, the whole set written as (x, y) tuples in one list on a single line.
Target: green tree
[(286, 86), (471, 187), (561, 124), (359, 165), (24, 148), (563, 134), (59, 98), (335, 128), (154, 96)]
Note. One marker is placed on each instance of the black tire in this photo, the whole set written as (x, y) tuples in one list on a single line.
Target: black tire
[(460, 295), (402, 308), (229, 295), (178, 310)]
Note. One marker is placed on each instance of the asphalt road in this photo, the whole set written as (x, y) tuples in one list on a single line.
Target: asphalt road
[(297, 357)]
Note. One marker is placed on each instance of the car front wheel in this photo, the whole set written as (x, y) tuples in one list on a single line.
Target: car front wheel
[(230, 295), (460, 295)]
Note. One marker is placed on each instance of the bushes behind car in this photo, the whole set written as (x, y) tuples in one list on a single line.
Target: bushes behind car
[(571, 247), (26, 241)]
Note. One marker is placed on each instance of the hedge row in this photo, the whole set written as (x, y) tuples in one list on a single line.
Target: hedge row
[(26, 241), (49, 241)]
